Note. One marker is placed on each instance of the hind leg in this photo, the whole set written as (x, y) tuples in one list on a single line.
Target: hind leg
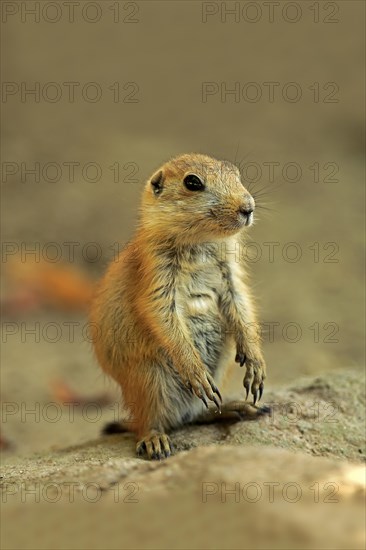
[(235, 411), (157, 401)]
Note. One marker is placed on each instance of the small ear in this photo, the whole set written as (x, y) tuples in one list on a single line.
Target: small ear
[(157, 182)]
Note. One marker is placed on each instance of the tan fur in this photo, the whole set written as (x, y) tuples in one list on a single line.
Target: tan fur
[(171, 315)]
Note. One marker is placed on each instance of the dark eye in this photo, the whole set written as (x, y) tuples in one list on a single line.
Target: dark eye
[(193, 183)]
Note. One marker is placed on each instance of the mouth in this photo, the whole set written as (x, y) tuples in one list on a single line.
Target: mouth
[(243, 219)]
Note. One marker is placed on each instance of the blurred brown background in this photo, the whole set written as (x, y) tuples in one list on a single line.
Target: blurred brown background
[(158, 57)]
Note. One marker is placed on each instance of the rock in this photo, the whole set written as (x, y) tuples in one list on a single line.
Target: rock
[(240, 485)]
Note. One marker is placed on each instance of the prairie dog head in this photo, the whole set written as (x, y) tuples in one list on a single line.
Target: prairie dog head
[(194, 198)]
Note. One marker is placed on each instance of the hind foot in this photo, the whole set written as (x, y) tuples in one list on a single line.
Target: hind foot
[(155, 446), (234, 411)]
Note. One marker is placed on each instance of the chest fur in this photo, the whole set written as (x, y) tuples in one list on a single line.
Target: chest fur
[(200, 284)]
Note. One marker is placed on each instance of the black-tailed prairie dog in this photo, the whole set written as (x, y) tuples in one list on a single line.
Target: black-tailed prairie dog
[(174, 313)]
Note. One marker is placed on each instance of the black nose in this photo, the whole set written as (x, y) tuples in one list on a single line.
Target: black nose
[(246, 211)]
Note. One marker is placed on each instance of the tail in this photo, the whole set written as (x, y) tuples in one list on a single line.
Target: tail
[(112, 428)]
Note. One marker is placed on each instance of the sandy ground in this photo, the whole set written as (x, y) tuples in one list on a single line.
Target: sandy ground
[(259, 484)]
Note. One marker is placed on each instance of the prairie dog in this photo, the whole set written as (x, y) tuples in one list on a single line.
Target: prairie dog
[(174, 312)]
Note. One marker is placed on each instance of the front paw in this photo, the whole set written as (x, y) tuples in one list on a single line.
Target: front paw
[(255, 372), (201, 383)]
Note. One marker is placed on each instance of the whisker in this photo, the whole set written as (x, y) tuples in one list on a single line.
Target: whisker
[(253, 187), (265, 191), (237, 151), (246, 156), (263, 207), (267, 209)]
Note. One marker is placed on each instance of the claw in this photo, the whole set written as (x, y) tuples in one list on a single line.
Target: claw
[(265, 409), (202, 397), (156, 447), (167, 447), (246, 386), (261, 387), (216, 390), (255, 395), (217, 404), (141, 448)]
